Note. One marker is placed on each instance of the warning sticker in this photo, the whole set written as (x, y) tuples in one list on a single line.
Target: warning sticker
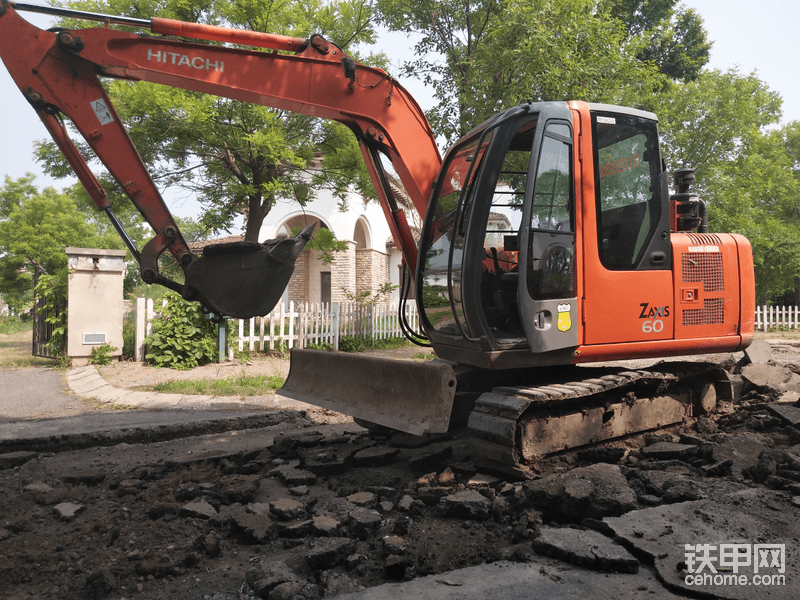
[(101, 110)]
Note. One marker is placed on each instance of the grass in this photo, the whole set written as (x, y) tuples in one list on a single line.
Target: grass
[(96, 404), (234, 385), (13, 325), (15, 350)]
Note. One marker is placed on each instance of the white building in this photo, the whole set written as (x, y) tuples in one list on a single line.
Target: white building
[(371, 258)]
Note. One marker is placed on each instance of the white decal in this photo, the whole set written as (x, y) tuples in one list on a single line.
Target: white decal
[(176, 58), (101, 110), (655, 326)]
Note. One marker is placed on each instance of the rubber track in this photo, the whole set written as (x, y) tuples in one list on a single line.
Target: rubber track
[(493, 422)]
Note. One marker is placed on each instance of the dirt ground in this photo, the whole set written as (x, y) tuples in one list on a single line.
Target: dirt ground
[(328, 508)]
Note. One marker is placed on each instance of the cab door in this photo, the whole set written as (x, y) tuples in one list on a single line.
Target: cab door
[(547, 293)]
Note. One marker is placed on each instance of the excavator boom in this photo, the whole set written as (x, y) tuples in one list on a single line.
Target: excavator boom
[(58, 74)]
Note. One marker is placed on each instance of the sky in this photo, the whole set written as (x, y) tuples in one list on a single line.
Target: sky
[(760, 37)]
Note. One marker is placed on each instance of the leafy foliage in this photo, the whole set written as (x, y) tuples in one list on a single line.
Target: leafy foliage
[(672, 37), (35, 228), (14, 324), (324, 241), (714, 119), (482, 57), (236, 157), (183, 337), (128, 339), (102, 354), (52, 289), (720, 125)]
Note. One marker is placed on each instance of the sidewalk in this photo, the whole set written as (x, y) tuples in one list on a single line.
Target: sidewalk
[(87, 382), (131, 415)]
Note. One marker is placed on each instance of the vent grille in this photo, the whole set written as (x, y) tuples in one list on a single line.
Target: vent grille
[(712, 313), (704, 239), (705, 268), (94, 338)]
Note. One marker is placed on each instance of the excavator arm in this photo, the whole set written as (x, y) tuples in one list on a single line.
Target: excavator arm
[(58, 72)]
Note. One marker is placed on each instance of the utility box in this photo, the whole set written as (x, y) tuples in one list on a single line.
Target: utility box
[(94, 301)]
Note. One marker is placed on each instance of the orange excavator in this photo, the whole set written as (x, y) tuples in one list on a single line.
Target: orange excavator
[(550, 238)]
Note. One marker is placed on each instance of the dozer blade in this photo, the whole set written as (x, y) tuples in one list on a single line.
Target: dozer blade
[(408, 396), (244, 279)]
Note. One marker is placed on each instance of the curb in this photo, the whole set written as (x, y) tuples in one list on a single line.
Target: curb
[(173, 416), (88, 383)]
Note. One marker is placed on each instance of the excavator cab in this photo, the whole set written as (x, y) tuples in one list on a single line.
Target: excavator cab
[(502, 247)]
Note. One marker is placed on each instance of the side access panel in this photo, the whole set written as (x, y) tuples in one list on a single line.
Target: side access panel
[(707, 287)]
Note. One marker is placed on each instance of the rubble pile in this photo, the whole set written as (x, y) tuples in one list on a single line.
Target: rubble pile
[(318, 514)]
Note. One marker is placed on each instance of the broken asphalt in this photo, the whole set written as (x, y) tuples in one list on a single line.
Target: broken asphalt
[(656, 536)]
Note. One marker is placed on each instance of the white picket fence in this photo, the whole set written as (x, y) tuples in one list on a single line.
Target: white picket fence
[(768, 317), (298, 325)]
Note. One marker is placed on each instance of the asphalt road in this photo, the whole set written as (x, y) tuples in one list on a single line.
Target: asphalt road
[(38, 412), (36, 393)]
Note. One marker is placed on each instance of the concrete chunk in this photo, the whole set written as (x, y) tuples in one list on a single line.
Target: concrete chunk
[(375, 457), (594, 491), (262, 580), (669, 450), (286, 509), (199, 509), (789, 414), (325, 526), (469, 504), (664, 533), (759, 352), (327, 553), (772, 377), (744, 450), (584, 548), (9, 460), (66, 511)]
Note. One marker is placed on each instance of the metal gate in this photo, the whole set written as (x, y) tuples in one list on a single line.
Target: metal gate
[(42, 330)]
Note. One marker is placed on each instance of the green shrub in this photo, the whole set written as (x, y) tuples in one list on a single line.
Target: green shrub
[(102, 354), (348, 343), (128, 339), (183, 337), (324, 347), (14, 324), (53, 289)]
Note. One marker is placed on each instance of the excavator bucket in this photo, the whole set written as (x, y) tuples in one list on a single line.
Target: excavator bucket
[(244, 279), (401, 394)]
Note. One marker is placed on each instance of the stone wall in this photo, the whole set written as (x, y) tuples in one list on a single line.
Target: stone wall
[(298, 284), (343, 273), (372, 270), (353, 271)]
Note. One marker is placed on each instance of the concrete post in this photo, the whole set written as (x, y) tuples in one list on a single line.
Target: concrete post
[(95, 308), (141, 317)]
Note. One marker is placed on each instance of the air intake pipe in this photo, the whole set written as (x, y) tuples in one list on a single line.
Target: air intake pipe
[(689, 211)]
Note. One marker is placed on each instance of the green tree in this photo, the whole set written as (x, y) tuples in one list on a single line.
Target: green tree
[(235, 157), (757, 195), (35, 228), (723, 125), (483, 56), (673, 37), (713, 119)]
